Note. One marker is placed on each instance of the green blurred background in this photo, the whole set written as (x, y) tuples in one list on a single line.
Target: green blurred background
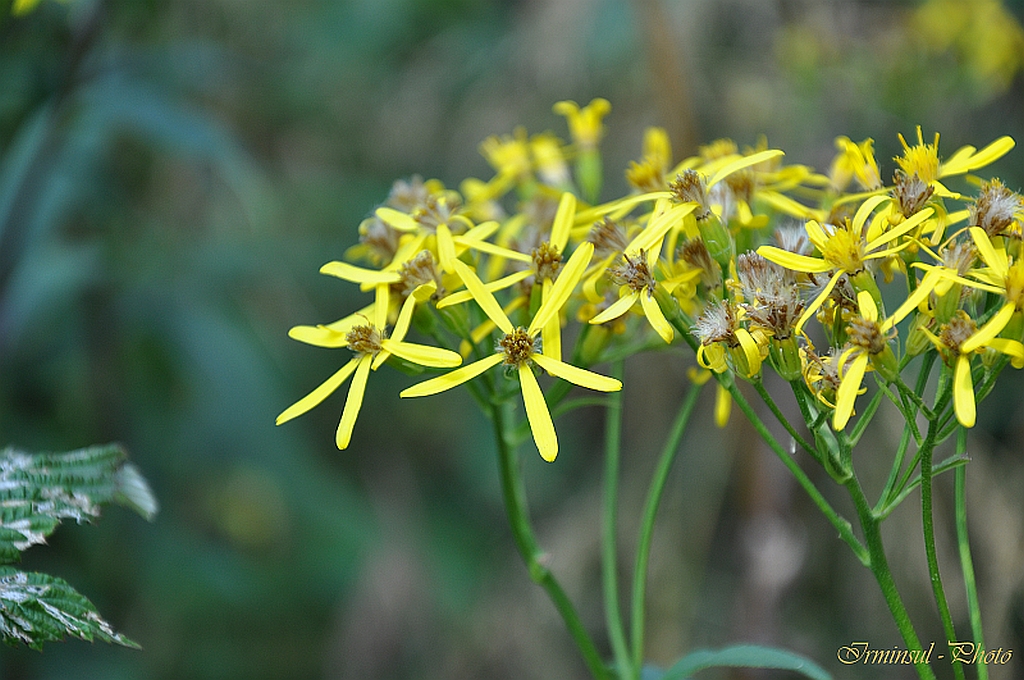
[(172, 176)]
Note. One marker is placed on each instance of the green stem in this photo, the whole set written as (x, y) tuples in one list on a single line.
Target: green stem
[(643, 552), (767, 398), (609, 552), (879, 566), (514, 496), (966, 562), (839, 522), (928, 526)]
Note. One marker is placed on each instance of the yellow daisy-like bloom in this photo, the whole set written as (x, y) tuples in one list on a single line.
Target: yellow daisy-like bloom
[(959, 340), (371, 347), (869, 342), (845, 249), (546, 262), (585, 125), (518, 349), (855, 161), (923, 159)]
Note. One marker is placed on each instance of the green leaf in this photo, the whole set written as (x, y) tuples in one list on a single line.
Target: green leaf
[(36, 608), (744, 656), (39, 490)]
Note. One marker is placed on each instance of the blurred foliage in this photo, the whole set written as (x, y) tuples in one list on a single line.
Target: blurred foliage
[(173, 174)]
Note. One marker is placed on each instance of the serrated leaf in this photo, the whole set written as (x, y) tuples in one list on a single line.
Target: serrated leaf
[(39, 490), (744, 656), (37, 608)]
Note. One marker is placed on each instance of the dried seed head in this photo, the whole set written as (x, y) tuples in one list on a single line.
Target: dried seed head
[(695, 253), (773, 298), (547, 260), (995, 208), (379, 238), (910, 192), (365, 339), (439, 209), (407, 195), (518, 347), (959, 255), (868, 335), (608, 237), (957, 330), (794, 239), (691, 187), (418, 271), (718, 323), (634, 272)]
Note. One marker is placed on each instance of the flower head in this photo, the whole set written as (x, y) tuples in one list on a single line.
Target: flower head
[(519, 349)]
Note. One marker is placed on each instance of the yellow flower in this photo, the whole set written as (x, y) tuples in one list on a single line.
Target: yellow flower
[(923, 159), (518, 349), (585, 124), (855, 161), (844, 249), (959, 340), (546, 263), (869, 341), (371, 347)]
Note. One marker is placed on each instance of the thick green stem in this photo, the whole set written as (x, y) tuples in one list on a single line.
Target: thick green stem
[(928, 526), (643, 551), (609, 551), (966, 562), (879, 566), (514, 496)]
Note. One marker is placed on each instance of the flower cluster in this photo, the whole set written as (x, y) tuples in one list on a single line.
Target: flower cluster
[(752, 262)]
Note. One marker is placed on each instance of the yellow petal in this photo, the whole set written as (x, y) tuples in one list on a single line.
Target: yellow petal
[(904, 227), (624, 204), (576, 375), (744, 162), (452, 378), (551, 332), (865, 209), (849, 386), (483, 297), (990, 330), (353, 402), (322, 391), (348, 272), (396, 219), (654, 315), (617, 308), (932, 278), (565, 284), (963, 392), (1011, 348), (750, 350), (493, 286), (424, 355), (482, 231), (723, 405), (958, 165), (817, 303), (794, 261), (563, 221), (787, 205), (538, 415), (490, 249), (994, 258), (381, 305), (319, 336), (445, 247), (660, 224), (868, 310)]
